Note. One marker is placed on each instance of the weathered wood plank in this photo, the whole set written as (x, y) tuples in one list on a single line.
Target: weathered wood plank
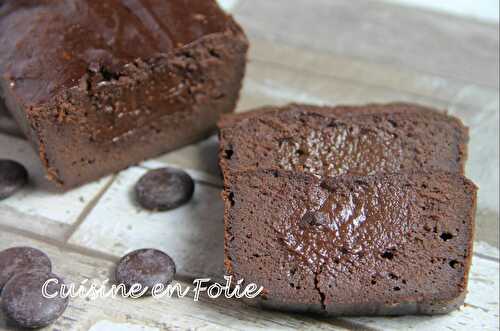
[(192, 234), (52, 212), (481, 310), (150, 314), (381, 33), (483, 10), (465, 95)]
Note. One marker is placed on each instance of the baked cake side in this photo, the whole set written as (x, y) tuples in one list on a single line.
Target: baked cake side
[(353, 245), (331, 141), (100, 85)]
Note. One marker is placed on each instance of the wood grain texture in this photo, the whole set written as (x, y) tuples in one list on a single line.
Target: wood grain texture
[(156, 314), (192, 234), (57, 210), (75, 265), (437, 89), (380, 33)]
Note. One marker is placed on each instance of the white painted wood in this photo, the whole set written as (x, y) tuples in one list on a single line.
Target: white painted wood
[(377, 32), (487, 249), (366, 73), (39, 197), (485, 10), (163, 314), (12, 218), (192, 234), (484, 148), (114, 326), (221, 314), (59, 207)]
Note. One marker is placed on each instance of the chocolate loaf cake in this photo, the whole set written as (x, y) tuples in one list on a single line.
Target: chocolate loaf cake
[(100, 85), (330, 141), (352, 245)]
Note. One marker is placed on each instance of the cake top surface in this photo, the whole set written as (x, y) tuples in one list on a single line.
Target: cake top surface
[(330, 141), (49, 45), (294, 111)]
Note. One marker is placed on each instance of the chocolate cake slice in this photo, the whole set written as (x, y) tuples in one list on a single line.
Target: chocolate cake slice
[(352, 245), (100, 85), (328, 141)]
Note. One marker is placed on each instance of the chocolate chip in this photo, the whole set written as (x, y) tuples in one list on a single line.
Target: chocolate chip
[(164, 189), (146, 267), (315, 218), (13, 176), (23, 301), (17, 260)]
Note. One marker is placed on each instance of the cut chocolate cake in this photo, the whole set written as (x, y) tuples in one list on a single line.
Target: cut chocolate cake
[(100, 85), (343, 140), (352, 245)]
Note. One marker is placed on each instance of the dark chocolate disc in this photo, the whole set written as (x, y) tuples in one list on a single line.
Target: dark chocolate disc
[(24, 303), (17, 260), (164, 189), (146, 267), (13, 176)]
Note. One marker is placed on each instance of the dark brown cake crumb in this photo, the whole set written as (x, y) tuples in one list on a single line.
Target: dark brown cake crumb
[(352, 245), (332, 141)]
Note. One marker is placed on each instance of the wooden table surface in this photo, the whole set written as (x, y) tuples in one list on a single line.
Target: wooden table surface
[(312, 51)]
